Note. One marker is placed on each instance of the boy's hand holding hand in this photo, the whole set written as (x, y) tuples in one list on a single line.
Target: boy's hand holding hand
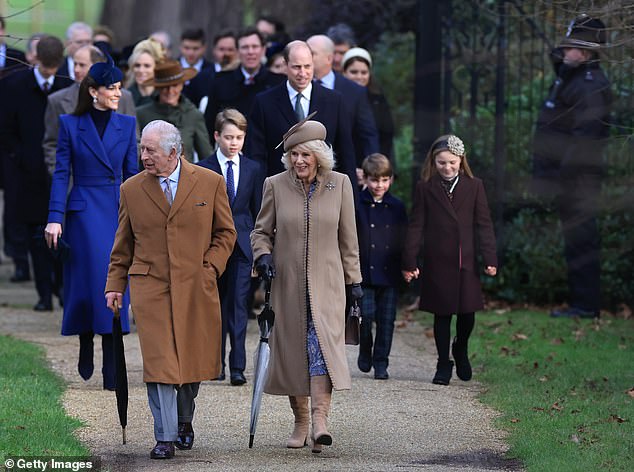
[(409, 275), (490, 270)]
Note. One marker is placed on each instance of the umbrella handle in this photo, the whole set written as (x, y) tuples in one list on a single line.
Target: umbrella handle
[(116, 314)]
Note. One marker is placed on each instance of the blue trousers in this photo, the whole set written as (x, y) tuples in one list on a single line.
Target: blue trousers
[(234, 287)]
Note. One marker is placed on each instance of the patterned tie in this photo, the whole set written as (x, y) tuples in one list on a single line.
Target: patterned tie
[(231, 188), (45, 87), (299, 110), (167, 190)]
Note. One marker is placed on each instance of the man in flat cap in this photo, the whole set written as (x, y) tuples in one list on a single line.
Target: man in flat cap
[(570, 135)]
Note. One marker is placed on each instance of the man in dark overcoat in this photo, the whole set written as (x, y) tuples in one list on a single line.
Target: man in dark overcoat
[(21, 132), (237, 88), (570, 134), (277, 109)]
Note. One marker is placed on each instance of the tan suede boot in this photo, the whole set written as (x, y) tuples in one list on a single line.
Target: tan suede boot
[(320, 394), (302, 416)]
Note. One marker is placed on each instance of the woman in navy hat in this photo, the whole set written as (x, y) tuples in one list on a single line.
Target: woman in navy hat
[(97, 147)]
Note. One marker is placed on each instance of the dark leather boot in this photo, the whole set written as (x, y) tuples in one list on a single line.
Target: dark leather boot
[(461, 357), (443, 372), (85, 366)]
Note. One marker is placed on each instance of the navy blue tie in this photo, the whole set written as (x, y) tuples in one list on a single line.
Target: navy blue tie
[(231, 187)]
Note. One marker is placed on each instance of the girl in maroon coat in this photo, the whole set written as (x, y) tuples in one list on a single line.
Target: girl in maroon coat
[(450, 213)]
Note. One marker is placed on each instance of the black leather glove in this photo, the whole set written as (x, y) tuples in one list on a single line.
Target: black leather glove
[(354, 293), (264, 267)]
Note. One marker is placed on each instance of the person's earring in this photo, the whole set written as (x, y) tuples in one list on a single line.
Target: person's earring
[(94, 98)]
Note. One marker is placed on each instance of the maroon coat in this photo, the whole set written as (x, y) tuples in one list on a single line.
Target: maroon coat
[(448, 230)]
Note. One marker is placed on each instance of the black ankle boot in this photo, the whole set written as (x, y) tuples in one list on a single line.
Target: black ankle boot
[(461, 357), (86, 348), (443, 372)]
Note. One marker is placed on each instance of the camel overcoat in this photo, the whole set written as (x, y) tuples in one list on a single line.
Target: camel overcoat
[(320, 254), (173, 257), (451, 232)]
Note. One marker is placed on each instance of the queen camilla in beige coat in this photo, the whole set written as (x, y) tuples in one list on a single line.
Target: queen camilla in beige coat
[(306, 234)]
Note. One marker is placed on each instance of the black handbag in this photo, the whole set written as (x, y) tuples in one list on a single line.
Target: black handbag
[(353, 325)]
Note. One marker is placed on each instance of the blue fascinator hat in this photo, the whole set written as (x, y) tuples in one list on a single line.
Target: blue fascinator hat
[(105, 73)]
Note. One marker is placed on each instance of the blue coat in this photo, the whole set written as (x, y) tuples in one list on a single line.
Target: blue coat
[(246, 205), (97, 167), (381, 228)]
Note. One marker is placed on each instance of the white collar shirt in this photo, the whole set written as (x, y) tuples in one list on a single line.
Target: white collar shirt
[(305, 100), (172, 179), (222, 160), (40, 79)]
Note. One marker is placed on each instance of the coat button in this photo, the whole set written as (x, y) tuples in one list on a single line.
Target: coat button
[(111, 179), (373, 205), (372, 246), (387, 247), (387, 226), (371, 225), (372, 267)]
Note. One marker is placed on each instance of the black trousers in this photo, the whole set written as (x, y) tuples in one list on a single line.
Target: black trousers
[(578, 208)]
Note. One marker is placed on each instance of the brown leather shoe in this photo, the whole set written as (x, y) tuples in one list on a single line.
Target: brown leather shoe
[(162, 450)]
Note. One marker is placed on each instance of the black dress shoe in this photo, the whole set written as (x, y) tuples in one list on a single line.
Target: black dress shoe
[(364, 363), (43, 306), (20, 277), (185, 438), (22, 273), (221, 377), (86, 365), (381, 373), (461, 357), (574, 312), (163, 450), (238, 378), (443, 373)]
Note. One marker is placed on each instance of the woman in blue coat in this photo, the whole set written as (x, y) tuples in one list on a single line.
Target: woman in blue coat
[(97, 147)]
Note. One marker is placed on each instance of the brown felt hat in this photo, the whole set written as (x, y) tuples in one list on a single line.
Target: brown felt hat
[(170, 72), (303, 132)]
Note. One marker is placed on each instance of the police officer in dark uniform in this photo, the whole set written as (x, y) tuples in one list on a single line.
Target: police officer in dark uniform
[(570, 135)]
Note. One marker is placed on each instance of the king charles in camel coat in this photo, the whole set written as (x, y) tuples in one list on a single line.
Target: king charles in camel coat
[(173, 257)]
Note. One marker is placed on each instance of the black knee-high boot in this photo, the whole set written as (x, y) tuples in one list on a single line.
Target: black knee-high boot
[(459, 347), (442, 335), (108, 369), (85, 366)]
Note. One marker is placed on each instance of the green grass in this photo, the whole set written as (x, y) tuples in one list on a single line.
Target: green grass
[(25, 17), (564, 388), (32, 419)]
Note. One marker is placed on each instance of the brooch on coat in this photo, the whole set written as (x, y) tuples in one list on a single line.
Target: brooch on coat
[(330, 185)]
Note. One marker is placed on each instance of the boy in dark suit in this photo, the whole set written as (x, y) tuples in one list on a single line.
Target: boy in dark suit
[(244, 179), (381, 222)]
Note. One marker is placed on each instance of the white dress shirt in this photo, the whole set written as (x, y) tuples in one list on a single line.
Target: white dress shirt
[(40, 79), (222, 160), (305, 100), (172, 179)]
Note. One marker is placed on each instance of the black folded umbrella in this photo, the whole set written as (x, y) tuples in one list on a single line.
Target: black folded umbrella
[(121, 373)]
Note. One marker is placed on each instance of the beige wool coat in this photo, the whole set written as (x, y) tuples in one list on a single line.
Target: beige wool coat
[(323, 250), (173, 257)]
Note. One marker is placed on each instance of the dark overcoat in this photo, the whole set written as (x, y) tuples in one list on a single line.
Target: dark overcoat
[(451, 232), (272, 115), (22, 130), (91, 209), (381, 227)]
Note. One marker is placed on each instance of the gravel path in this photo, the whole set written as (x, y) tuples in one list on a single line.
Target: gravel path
[(403, 424)]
